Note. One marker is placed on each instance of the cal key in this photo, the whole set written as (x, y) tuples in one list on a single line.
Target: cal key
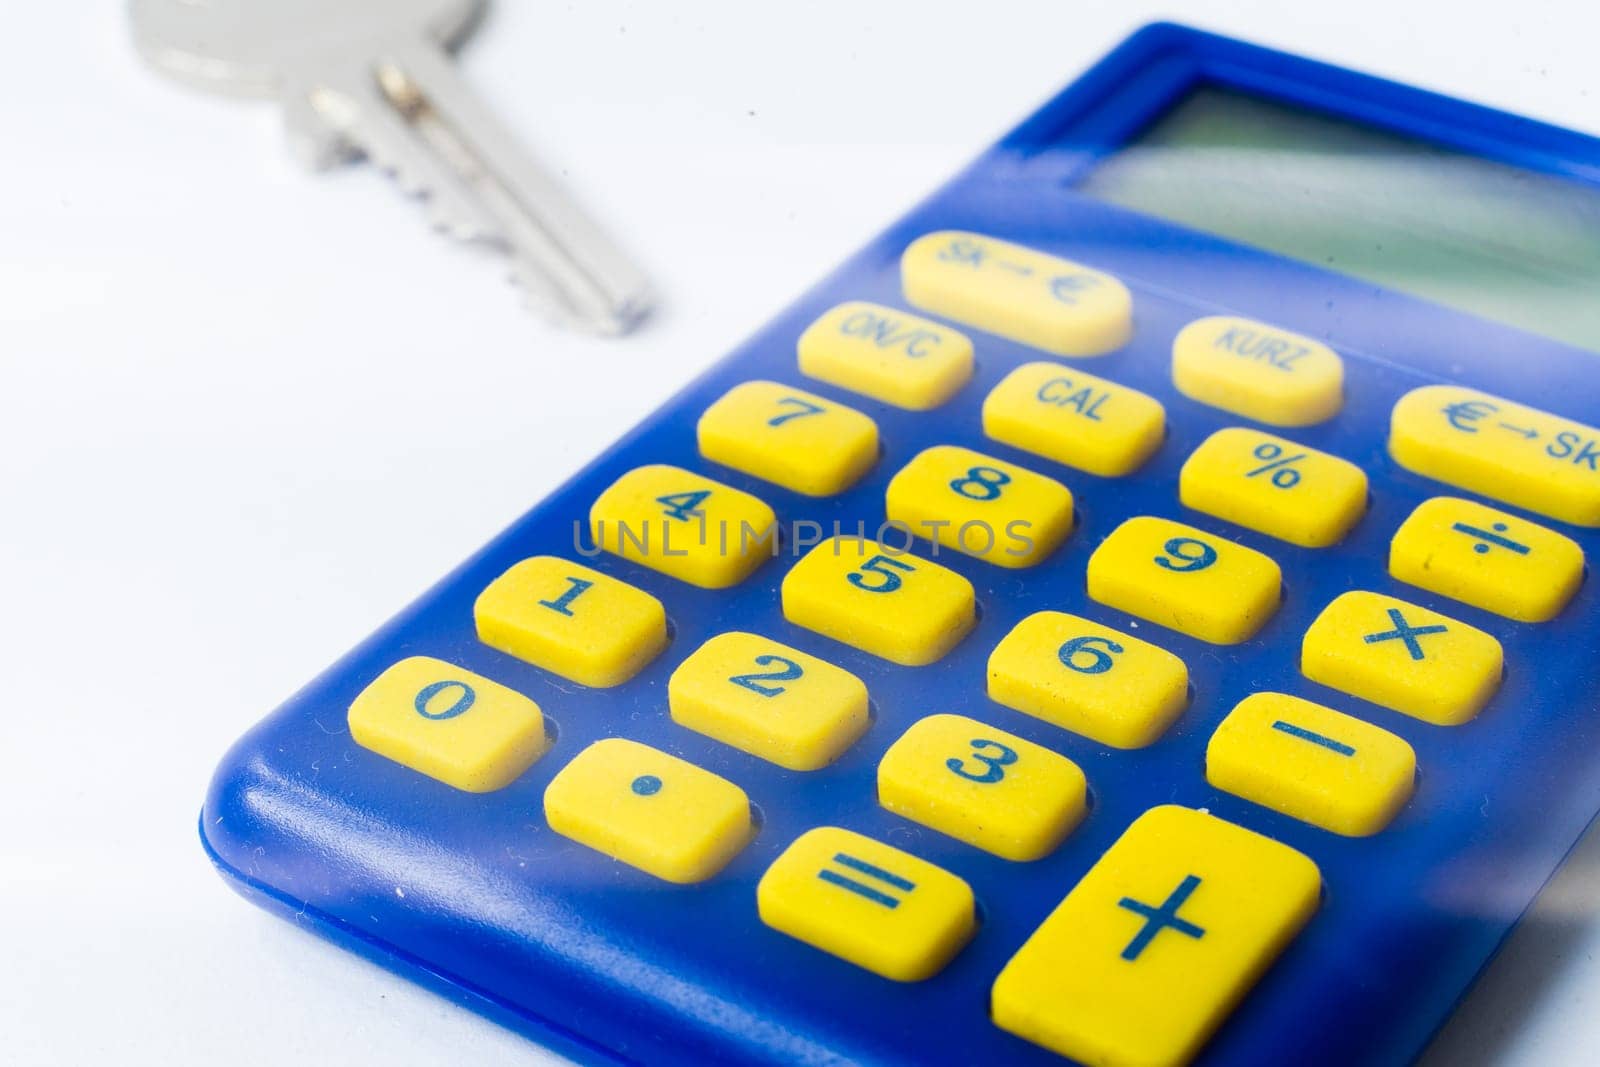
[(1501, 449)]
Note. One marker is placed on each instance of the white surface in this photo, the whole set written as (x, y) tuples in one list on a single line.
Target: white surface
[(249, 413)]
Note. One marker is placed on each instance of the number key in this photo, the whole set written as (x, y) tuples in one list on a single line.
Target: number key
[(1185, 579), (892, 604), (684, 525), (981, 506), (769, 700), (790, 437), (449, 723), (571, 620), (1089, 679), (983, 786), (880, 574)]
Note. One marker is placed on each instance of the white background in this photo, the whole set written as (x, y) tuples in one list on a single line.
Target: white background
[(247, 413)]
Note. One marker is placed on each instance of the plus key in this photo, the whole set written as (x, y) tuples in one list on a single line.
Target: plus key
[(1114, 980)]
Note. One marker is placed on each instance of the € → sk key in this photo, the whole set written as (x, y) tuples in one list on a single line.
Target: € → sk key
[(376, 78)]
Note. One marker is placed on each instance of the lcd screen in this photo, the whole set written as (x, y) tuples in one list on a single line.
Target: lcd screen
[(1480, 236)]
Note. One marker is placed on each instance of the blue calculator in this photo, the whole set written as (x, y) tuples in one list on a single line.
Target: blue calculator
[(1133, 612)]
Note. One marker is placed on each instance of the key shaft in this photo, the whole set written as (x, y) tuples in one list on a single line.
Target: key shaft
[(561, 256)]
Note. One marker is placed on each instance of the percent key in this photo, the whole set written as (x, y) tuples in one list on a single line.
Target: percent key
[(1274, 486), (1280, 466)]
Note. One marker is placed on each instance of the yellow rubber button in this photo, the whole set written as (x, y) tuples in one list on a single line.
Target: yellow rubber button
[(1258, 371), (1089, 679), (684, 525), (1403, 657), (1501, 449), (449, 723), (983, 786), (981, 506), (1141, 962), (1313, 763), (1152, 950), (650, 810), (877, 907), (1017, 292), (790, 437), (1288, 491), (1071, 417), (892, 604), (1185, 579), (1487, 558), (889, 355), (571, 620), (769, 700)]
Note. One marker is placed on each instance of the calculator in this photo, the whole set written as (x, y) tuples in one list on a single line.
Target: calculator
[(1133, 612)]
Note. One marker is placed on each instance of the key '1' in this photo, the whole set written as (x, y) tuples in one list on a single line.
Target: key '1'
[(376, 78)]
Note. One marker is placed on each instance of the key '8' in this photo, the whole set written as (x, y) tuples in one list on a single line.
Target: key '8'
[(981, 483)]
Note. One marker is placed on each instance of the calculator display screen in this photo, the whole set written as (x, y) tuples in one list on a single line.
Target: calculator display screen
[(1495, 240)]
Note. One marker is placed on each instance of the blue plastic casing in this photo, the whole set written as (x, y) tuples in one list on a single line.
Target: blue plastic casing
[(604, 962)]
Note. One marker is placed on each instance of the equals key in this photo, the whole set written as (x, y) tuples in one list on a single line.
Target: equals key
[(878, 876), (869, 903)]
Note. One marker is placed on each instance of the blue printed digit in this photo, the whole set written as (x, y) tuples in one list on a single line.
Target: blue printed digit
[(992, 772), (1098, 650), (1184, 554), (981, 483), (790, 671), (962, 250), (805, 407), (885, 580), (459, 706), (683, 506), (563, 604)]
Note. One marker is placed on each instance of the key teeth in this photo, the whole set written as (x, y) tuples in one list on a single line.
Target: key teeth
[(409, 182), (457, 222), (432, 145), (448, 224), (443, 216)]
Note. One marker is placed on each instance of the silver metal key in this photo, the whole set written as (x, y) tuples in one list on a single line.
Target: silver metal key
[(377, 78)]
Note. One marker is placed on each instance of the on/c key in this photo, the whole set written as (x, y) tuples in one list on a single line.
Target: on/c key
[(1501, 449)]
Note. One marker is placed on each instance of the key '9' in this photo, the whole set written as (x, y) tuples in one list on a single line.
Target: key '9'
[(1184, 554)]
